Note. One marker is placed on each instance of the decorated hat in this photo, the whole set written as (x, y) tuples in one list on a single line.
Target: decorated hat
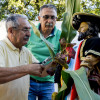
[(85, 17)]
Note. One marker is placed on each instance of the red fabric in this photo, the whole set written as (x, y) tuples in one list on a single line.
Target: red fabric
[(77, 63), (77, 66)]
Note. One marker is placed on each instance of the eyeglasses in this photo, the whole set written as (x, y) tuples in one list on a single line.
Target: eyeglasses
[(25, 30), (47, 17)]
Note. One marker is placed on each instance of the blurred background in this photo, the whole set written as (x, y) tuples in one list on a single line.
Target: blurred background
[(31, 9)]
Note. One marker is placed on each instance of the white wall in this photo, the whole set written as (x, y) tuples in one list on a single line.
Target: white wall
[(3, 32)]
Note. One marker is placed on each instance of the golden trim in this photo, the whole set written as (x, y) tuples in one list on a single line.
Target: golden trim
[(82, 58), (92, 51), (81, 50)]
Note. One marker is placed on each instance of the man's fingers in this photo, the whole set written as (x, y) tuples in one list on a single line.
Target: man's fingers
[(42, 66)]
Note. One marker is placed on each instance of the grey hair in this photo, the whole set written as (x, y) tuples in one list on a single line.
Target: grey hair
[(48, 6), (12, 20)]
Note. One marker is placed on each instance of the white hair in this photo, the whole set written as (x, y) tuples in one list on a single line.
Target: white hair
[(12, 20)]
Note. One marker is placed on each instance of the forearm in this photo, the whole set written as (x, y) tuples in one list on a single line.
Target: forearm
[(19, 70), (10, 73), (10, 78)]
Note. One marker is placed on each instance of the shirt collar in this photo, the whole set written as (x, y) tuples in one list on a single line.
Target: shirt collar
[(8, 42)]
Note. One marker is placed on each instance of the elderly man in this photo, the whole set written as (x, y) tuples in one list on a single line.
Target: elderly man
[(43, 87), (16, 60), (88, 54)]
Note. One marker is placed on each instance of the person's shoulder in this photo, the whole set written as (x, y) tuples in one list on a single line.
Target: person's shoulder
[(93, 42), (57, 31), (25, 49), (29, 54), (2, 43), (94, 39), (32, 31)]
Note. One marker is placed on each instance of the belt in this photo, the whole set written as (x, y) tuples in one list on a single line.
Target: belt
[(37, 81)]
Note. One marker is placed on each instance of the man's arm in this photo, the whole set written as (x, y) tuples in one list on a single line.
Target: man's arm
[(9, 74)]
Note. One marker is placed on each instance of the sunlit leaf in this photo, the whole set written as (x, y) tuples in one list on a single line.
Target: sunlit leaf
[(82, 85), (66, 87), (68, 32)]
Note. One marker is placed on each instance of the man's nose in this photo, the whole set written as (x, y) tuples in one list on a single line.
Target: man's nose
[(49, 19)]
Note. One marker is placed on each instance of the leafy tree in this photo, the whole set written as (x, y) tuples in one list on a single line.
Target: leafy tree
[(31, 7), (90, 6)]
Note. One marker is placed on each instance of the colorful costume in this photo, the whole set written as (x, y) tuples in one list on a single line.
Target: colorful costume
[(90, 49), (86, 81)]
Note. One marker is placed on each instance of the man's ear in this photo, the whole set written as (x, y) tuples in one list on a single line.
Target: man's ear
[(10, 30), (39, 18)]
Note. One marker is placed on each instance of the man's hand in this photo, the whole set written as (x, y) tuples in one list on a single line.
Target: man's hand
[(49, 69), (35, 69)]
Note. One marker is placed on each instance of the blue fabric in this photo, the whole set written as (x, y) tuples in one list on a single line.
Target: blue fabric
[(72, 62), (71, 67), (42, 90)]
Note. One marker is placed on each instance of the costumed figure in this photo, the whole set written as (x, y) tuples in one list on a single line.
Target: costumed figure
[(86, 77), (88, 54)]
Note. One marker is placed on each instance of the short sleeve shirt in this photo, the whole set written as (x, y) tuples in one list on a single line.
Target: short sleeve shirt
[(40, 50), (10, 56)]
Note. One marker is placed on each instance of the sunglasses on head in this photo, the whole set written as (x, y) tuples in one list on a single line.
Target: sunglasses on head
[(47, 17)]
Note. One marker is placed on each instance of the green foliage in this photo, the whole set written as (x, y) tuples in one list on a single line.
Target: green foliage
[(65, 89), (31, 7), (81, 83), (68, 33), (90, 6)]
